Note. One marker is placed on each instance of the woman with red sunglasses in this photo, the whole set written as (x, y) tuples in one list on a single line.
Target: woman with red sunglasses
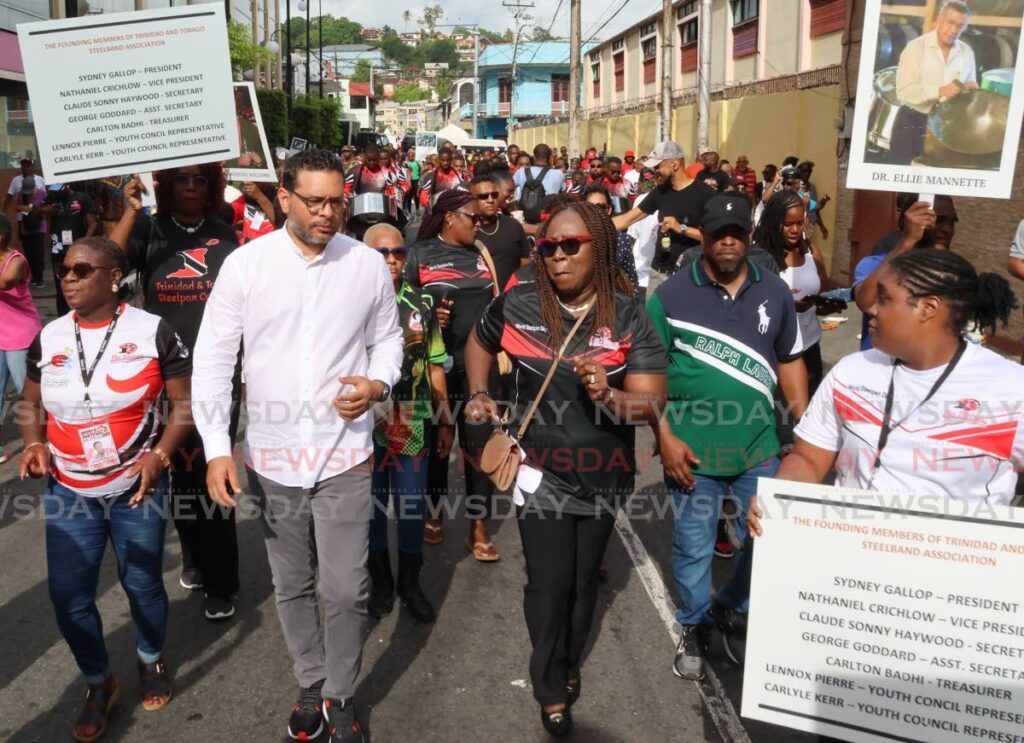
[(580, 464)]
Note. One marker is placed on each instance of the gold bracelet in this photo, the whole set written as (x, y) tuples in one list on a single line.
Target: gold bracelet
[(162, 456), (34, 443)]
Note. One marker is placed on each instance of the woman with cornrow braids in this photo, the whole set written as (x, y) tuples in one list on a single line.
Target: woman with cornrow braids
[(580, 465), (923, 394)]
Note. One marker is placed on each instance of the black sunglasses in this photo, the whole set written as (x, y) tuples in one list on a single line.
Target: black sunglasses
[(397, 252), (80, 270), (487, 196), (570, 245), (184, 179), (477, 218)]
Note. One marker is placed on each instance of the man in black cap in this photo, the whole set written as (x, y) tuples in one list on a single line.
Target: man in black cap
[(732, 335)]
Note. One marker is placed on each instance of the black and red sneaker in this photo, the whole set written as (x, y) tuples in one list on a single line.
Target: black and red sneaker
[(342, 725), (307, 720)]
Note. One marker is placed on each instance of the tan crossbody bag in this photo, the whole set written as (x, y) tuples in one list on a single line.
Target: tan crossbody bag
[(500, 457), (504, 362)]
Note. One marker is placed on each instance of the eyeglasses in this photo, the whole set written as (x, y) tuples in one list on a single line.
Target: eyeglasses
[(477, 218), (396, 252), (80, 270), (487, 196), (187, 179), (570, 245), (315, 204)]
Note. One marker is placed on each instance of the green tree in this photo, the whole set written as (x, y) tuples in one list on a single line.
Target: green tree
[(316, 120), (430, 17), (440, 51), (409, 93), (274, 112), (540, 33), (244, 54), (407, 18), (361, 73)]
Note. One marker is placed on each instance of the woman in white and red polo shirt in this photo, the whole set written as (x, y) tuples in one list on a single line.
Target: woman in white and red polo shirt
[(91, 423)]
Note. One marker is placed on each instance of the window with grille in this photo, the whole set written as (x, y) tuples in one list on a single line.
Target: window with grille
[(619, 60), (595, 76), (744, 10), (618, 44)]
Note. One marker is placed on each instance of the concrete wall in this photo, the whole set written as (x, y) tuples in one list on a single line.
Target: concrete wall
[(778, 38), (827, 49)]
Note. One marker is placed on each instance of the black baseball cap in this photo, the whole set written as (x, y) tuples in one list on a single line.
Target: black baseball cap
[(724, 210)]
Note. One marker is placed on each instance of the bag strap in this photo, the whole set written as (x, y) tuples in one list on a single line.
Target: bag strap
[(551, 371), (528, 174), (486, 255)]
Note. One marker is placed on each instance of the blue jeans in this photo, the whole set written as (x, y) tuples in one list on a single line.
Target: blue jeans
[(77, 531), (405, 478), (12, 367), (693, 541)]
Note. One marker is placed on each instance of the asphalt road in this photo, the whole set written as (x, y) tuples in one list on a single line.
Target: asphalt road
[(463, 678)]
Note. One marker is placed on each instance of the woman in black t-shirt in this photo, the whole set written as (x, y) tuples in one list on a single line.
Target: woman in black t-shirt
[(580, 464), (178, 254), (445, 263)]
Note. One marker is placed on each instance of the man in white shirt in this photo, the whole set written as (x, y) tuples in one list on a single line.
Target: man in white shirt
[(316, 314), (28, 167), (932, 68)]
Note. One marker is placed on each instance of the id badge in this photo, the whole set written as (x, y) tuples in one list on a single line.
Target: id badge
[(99, 447), (56, 246), (66, 237)]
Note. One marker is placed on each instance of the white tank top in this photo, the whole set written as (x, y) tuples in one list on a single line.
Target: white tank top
[(804, 281)]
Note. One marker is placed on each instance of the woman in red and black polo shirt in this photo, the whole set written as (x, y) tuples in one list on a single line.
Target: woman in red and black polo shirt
[(95, 378), (580, 464), (445, 263), (178, 254)]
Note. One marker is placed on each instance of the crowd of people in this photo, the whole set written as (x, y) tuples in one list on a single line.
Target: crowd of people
[(528, 303)]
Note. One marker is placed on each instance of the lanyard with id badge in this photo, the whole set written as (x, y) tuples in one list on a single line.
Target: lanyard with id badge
[(98, 444)]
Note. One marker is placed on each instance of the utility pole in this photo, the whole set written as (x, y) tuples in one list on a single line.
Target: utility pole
[(667, 65), (575, 70), (320, 48), (703, 77), (517, 10), (476, 80), (255, 41), (309, 70)]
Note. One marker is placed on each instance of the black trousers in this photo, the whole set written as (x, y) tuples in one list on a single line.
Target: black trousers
[(34, 246), (56, 259), (908, 133), (206, 530), (563, 555), (479, 490), (815, 368)]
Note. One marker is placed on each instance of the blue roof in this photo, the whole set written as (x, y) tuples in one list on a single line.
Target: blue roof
[(529, 53)]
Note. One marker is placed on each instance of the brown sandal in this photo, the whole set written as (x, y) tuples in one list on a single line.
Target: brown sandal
[(433, 532), (99, 700), (483, 551), (156, 687)]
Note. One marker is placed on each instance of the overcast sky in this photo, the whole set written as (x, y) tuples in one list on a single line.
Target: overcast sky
[(492, 15)]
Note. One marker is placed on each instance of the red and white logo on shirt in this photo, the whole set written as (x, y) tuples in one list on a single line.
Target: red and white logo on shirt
[(194, 264)]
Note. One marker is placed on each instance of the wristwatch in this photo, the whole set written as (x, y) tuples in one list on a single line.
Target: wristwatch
[(385, 395)]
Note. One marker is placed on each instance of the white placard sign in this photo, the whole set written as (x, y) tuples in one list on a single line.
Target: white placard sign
[(128, 92), (940, 97), (253, 161), (880, 618)]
